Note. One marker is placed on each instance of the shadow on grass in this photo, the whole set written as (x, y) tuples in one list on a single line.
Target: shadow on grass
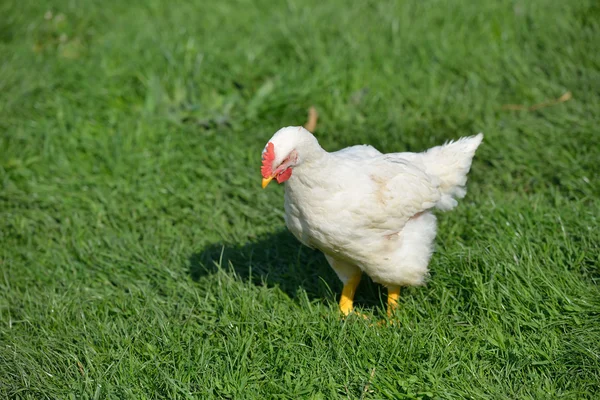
[(279, 260)]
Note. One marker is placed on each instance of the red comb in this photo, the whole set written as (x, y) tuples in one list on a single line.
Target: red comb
[(267, 161)]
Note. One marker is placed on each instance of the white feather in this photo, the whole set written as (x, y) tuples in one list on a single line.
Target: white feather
[(371, 211)]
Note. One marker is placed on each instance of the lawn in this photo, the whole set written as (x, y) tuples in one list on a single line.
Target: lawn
[(140, 258)]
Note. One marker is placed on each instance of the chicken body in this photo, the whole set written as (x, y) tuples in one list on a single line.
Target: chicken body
[(371, 212)]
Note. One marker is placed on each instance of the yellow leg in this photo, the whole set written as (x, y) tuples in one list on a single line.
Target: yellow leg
[(347, 299), (393, 296)]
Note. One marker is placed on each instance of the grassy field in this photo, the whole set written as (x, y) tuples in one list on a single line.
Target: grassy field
[(140, 258)]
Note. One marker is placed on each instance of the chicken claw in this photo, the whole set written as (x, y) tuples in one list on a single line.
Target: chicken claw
[(392, 303), (347, 298)]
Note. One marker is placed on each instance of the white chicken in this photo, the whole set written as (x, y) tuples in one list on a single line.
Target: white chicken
[(367, 211)]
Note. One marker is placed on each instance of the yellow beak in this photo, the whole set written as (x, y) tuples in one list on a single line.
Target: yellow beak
[(266, 181)]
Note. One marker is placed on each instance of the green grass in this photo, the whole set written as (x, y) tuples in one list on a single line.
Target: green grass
[(140, 258)]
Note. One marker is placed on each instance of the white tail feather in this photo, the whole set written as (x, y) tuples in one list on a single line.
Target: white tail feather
[(451, 163)]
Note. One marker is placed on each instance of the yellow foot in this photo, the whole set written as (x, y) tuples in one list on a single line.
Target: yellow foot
[(392, 306), (346, 306), (347, 309), (347, 298), (392, 303)]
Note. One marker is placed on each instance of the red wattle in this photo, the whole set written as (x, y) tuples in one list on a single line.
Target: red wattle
[(284, 176)]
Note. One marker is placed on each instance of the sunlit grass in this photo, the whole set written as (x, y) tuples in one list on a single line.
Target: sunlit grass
[(140, 258)]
